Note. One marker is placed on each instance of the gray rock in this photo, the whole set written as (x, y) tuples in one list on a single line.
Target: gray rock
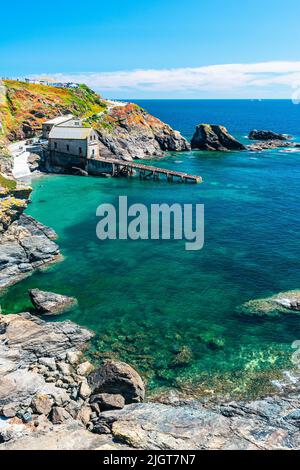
[(216, 138), (69, 436), (267, 135), (258, 425), (270, 145), (59, 415), (65, 369), (49, 362), (84, 390), (42, 404), (25, 246), (85, 368), (49, 303), (117, 378), (73, 357), (10, 410), (108, 401), (33, 338)]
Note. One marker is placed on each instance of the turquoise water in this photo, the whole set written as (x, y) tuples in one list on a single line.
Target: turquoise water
[(150, 300)]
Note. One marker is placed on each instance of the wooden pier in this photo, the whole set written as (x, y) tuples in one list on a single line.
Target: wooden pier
[(121, 167)]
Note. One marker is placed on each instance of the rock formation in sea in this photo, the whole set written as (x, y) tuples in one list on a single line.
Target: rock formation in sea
[(271, 145), (267, 135), (50, 303), (274, 306), (215, 138)]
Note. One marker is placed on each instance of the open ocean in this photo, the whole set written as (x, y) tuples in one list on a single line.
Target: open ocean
[(149, 300)]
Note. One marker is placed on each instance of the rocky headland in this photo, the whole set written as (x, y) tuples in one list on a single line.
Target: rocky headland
[(125, 130)]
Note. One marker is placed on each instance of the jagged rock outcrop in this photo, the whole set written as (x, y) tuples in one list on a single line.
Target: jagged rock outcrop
[(215, 138), (25, 245), (129, 132), (49, 303), (267, 135)]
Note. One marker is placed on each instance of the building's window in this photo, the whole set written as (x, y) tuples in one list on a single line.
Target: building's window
[(93, 152), (80, 150), (55, 145), (68, 148)]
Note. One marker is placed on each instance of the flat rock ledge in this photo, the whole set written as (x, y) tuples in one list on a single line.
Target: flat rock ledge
[(25, 246)]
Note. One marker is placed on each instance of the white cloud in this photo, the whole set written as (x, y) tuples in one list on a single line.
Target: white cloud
[(226, 78)]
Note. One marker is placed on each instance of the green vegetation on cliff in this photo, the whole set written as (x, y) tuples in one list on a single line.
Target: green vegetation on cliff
[(25, 106)]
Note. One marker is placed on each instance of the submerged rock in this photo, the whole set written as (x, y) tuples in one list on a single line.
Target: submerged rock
[(49, 303), (117, 378), (272, 306), (267, 135), (212, 137), (183, 358)]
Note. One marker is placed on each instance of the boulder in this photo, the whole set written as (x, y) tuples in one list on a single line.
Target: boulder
[(59, 415), (49, 303), (215, 138), (84, 390), (42, 404), (266, 135), (85, 368), (107, 401), (117, 378)]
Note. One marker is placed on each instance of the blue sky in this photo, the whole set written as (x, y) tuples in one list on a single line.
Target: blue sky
[(157, 49)]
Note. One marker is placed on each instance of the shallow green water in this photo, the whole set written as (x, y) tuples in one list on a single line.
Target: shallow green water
[(149, 300)]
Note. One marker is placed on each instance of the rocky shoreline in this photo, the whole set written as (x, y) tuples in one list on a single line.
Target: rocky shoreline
[(52, 398)]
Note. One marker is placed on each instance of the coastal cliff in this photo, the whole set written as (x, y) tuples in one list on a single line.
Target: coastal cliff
[(25, 244), (130, 132), (125, 130)]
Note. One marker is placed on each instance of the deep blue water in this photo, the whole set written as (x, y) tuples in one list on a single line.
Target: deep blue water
[(149, 300)]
